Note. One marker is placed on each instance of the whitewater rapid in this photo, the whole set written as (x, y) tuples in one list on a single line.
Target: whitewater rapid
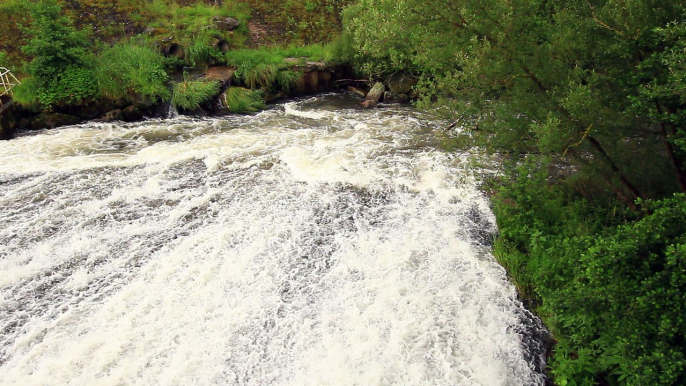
[(310, 244)]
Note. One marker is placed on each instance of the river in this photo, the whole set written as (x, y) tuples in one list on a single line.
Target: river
[(310, 244)]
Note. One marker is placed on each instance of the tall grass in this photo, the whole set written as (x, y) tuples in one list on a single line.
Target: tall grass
[(201, 51), (241, 101), (129, 67), (188, 95)]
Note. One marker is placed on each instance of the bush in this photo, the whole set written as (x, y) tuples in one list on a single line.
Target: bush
[(610, 287), (54, 45), (241, 101), (188, 95), (132, 68)]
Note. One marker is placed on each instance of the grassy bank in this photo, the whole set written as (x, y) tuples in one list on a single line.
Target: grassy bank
[(62, 64)]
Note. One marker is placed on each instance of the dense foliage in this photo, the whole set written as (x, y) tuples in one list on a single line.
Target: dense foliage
[(592, 95), (61, 67), (612, 291)]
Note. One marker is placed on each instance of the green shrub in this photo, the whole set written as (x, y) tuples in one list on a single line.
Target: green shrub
[(340, 50), (240, 100), (611, 286), (132, 68), (54, 44), (188, 95)]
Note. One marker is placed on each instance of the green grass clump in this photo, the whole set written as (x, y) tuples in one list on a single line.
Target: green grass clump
[(201, 51), (260, 76), (266, 67), (128, 67), (241, 101), (188, 95), (285, 80)]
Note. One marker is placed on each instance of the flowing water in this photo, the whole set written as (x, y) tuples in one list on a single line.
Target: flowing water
[(310, 244)]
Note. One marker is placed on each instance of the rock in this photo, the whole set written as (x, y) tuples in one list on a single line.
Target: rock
[(319, 66), (391, 97), (294, 61), (226, 23), (357, 91), (131, 114), (141, 102), (222, 74), (51, 121), (369, 104), (24, 123), (400, 83), (376, 92), (150, 31), (114, 115)]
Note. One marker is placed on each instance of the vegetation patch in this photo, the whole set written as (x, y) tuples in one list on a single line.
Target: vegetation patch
[(189, 95), (242, 101), (129, 68)]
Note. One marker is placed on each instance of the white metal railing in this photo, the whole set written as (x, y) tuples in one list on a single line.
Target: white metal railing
[(7, 82)]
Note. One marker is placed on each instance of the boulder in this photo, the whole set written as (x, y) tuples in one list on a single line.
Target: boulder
[(369, 104), (226, 23), (114, 115), (376, 92), (319, 66), (51, 121), (391, 97), (400, 83), (223, 74), (140, 101), (131, 114)]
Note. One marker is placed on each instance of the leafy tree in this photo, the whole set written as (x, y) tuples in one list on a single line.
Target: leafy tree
[(578, 80), (59, 65)]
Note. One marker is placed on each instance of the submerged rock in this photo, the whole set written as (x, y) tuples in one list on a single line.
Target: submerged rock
[(114, 115), (357, 91), (132, 114), (369, 104), (391, 97), (51, 121)]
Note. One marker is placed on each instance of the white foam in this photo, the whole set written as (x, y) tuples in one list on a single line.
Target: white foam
[(252, 251)]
